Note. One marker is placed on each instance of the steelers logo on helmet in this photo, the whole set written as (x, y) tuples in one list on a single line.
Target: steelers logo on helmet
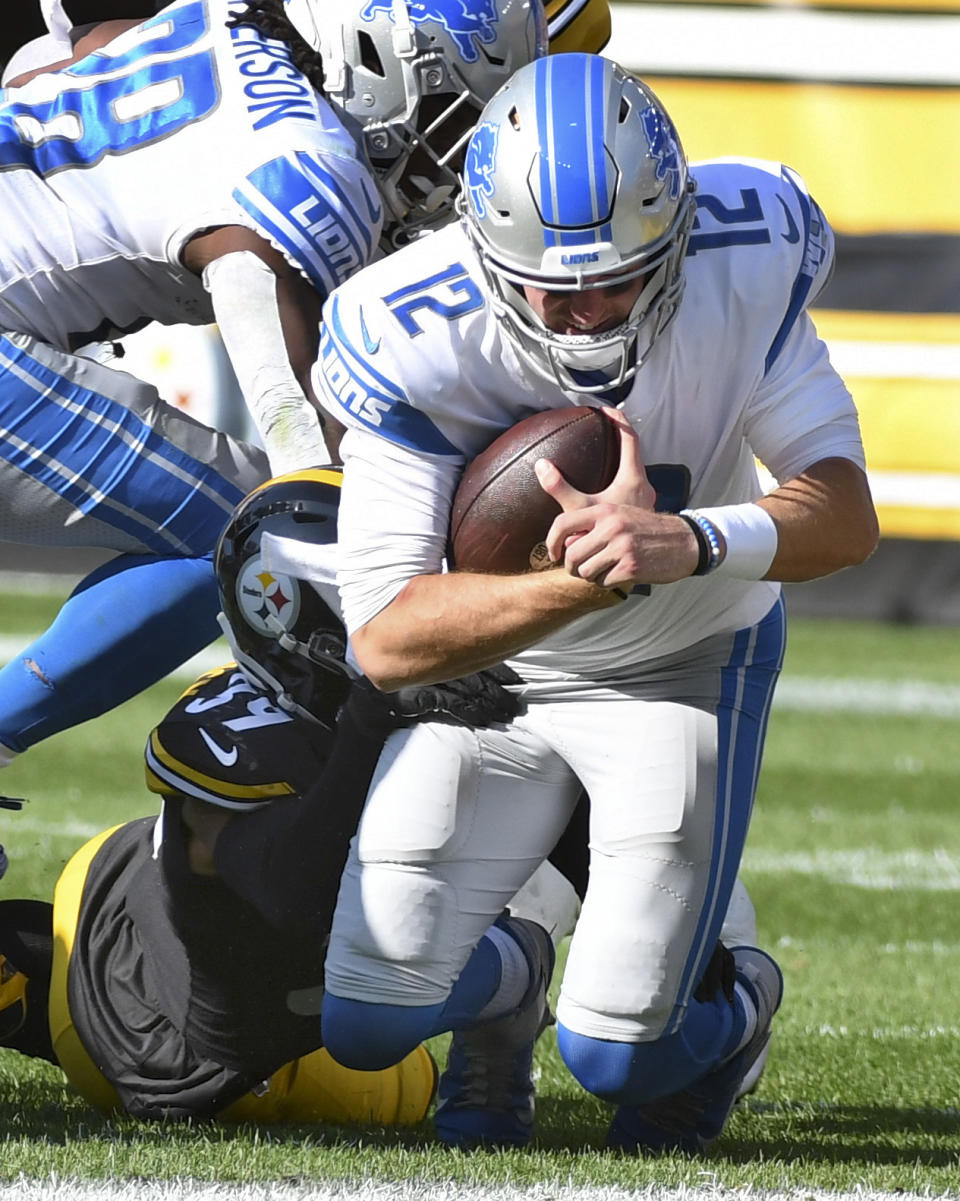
[(281, 629), (270, 602)]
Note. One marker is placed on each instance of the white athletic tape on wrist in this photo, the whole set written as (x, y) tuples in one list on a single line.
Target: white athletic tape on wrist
[(751, 537), (244, 294)]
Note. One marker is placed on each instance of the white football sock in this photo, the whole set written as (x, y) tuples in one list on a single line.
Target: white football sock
[(514, 977), (750, 1016)]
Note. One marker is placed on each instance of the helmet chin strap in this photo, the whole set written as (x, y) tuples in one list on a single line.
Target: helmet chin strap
[(260, 674), (294, 647)]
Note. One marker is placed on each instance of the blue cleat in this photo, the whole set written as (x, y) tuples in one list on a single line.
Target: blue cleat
[(690, 1120), (486, 1093)]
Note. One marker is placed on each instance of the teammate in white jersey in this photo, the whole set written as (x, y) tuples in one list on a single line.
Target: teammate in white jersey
[(189, 170), (590, 265)]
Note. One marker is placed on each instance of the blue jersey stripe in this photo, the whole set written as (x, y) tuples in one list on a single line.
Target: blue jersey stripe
[(802, 284), (105, 461), (347, 378), (47, 384), (309, 218), (360, 359), (312, 166)]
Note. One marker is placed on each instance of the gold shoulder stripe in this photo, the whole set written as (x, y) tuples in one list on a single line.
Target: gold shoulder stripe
[(213, 784)]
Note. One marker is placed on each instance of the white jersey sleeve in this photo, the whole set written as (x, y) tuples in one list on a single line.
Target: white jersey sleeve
[(410, 351), (801, 411), (395, 504)]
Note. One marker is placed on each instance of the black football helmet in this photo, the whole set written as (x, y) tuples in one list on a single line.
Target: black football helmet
[(282, 631)]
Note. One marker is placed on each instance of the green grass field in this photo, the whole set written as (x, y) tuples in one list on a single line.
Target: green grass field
[(854, 866)]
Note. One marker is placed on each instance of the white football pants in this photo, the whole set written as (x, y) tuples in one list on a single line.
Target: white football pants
[(457, 820)]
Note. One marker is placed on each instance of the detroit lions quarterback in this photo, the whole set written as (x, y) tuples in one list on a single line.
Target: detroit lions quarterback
[(591, 264), (185, 169)]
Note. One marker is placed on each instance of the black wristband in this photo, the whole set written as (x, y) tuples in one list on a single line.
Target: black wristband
[(708, 546)]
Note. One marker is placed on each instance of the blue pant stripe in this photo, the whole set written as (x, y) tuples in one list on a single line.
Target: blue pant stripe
[(116, 418), (746, 694), (100, 457)]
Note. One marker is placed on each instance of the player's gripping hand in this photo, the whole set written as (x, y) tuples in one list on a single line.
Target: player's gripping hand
[(615, 538), (477, 700)]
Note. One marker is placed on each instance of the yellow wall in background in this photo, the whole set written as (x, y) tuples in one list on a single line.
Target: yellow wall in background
[(878, 160), (909, 413)]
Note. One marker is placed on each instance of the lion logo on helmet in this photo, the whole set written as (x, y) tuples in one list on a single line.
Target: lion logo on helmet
[(663, 147), (479, 165), (467, 21)]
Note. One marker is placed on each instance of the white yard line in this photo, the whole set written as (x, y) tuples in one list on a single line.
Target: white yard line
[(936, 870), (881, 697), (59, 1189)]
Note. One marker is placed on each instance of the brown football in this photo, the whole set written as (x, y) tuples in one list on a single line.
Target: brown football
[(500, 514)]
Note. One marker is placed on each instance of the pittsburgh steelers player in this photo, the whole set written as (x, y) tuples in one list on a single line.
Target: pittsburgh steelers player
[(178, 973)]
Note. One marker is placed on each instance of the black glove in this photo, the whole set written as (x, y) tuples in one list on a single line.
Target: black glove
[(476, 700)]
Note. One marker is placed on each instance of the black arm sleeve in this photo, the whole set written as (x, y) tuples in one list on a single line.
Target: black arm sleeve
[(286, 859)]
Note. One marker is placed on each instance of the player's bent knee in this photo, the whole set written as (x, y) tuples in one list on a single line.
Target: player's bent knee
[(368, 1037)]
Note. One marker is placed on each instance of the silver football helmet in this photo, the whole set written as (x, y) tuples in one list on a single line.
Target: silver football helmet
[(574, 179), (409, 79)]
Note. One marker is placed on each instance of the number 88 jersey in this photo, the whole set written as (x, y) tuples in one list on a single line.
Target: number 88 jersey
[(110, 166)]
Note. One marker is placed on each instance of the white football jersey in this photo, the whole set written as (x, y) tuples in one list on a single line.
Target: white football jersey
[(414, 362), (108, 167)]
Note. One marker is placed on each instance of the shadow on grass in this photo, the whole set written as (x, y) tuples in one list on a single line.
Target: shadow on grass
[(874, 1135), (41, 1110), (850, 1134), (59, 1117)]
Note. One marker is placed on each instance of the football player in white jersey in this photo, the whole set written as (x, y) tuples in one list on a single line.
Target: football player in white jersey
[(189, 170), (591, 265)]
